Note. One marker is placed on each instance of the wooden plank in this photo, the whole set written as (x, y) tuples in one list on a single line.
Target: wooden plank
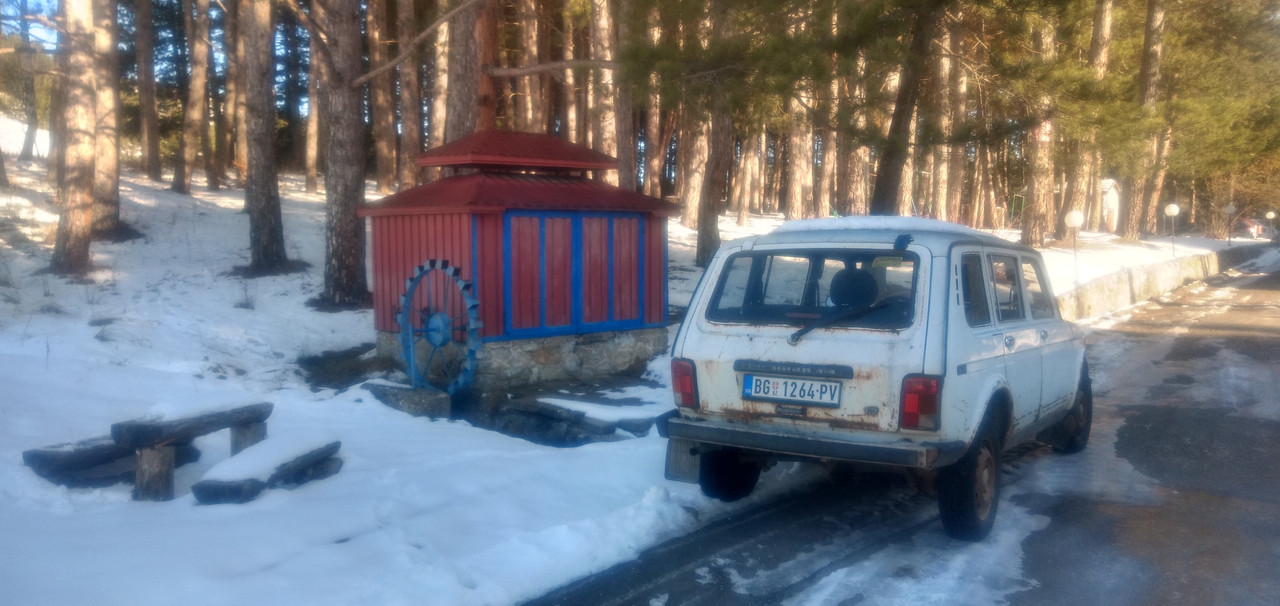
[(122, 470), (141, 434), (74, 455), (287, 468)]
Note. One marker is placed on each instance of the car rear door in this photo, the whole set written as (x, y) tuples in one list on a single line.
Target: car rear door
[(1021, 339), (1059, 347)]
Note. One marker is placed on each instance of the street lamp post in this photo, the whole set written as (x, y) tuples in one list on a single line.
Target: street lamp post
[(1172, 211), (1231, 213), (1271, 218)]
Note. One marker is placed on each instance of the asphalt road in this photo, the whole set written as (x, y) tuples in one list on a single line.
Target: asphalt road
[(1176, 500), (1192, 385)]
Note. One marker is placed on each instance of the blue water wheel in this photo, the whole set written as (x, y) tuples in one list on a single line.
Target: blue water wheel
[(438, 327)]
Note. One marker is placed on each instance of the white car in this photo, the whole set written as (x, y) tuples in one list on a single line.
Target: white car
[(890, 341)]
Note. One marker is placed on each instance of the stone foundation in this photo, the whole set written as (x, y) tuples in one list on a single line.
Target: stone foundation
[(587, 358)]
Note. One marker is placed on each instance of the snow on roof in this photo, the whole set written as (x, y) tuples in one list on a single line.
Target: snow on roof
[(879, 223)]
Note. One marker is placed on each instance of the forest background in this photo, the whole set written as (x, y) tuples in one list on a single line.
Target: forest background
[(991, 113)]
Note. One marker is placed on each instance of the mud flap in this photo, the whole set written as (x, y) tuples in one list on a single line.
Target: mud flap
[(682, 460)]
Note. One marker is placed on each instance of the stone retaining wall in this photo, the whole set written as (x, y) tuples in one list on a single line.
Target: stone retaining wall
[(589, 357), (1137, 284)]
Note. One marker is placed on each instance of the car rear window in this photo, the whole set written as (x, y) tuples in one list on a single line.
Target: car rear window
[(853, 288)]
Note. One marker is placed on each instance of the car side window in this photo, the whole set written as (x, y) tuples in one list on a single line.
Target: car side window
[(1042, 305), (973, 290), (1008, 291), (785, 279)]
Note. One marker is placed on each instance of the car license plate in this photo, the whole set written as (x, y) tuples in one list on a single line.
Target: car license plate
[(782, 389)]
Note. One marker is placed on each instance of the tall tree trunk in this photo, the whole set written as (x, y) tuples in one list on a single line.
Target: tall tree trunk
[(27, 88), (907, 189), (213, 173), (224, 125), (957, 91), (856, 186), (692, 150), (75, 220), (466, 58), (106, 178), (314, 111), (439, 96), (228, 141), (1155, 181), (1039, 203), (825, 191), (623, 104), (57, 122), (897, 148), (261, 195), (745, 179), (345, 283), (1082, 179), (942, 103), (381, 108), (410, 99), (714, 185), (242, 103), (799, 162), (530, 47), (1138, 196), (654, 147), (195, 17), (605, 119)]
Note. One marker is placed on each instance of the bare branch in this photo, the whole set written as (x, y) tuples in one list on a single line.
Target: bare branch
[(407, 49), (550, 67)]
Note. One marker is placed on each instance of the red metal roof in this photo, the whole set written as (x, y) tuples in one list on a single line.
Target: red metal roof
[(494, 148), (495, 192)]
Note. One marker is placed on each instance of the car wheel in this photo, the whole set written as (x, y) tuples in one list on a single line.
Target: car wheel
[(724, 475), (969, 489), (1075, 427)]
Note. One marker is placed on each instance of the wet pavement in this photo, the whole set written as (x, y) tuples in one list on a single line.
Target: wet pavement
[(1190, 389)]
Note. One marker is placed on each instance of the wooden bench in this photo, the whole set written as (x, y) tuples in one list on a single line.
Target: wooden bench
[(281, 460), (153, 443), (94, 463)]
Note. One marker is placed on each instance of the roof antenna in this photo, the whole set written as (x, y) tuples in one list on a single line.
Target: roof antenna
[(902, 241)]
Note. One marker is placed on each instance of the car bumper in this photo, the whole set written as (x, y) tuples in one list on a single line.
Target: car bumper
[(920, 455)]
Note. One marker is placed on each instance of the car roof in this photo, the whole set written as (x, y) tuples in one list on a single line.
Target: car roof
[(935, 235)]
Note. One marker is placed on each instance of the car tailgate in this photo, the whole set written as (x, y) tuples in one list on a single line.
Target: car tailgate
[(839, 377)]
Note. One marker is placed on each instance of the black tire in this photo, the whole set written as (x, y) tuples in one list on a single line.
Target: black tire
[(1071, 434), (1074, 429), (969, 489), (724, 475)]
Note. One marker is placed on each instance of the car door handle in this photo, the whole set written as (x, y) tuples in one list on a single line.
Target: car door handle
[(1009, 342), (1044, 335)]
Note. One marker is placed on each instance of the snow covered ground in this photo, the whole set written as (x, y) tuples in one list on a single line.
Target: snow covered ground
[(422, 512)]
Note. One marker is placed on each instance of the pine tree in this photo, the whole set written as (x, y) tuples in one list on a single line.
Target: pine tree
[(75, 194), (106, 180), (261, 195), (194, 121)]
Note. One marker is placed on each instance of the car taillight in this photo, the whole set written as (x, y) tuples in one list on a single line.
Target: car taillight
[(683, 383), (920, 396)]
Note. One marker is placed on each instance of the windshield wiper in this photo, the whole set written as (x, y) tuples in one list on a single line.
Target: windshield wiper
[(852, 314)]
